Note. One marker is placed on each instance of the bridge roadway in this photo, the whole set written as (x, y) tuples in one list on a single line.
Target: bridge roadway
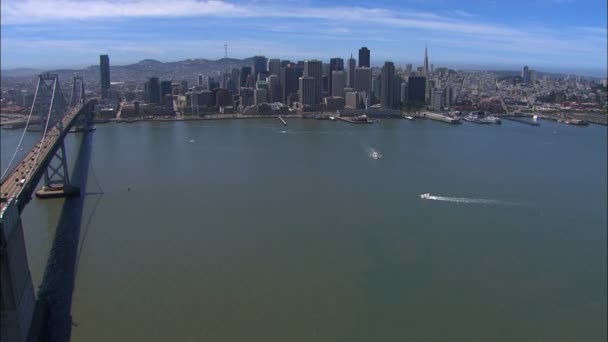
[(20, 183)]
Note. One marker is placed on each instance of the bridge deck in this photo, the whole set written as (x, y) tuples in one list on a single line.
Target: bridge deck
[(29, 168)]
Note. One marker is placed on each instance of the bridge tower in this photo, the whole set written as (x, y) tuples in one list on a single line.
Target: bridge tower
[(17, 292), (51, 109)]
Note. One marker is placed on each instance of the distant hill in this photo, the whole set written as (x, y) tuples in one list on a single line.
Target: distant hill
[(188, 69)]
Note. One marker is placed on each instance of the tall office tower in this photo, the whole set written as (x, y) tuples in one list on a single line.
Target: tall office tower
[(260, 95), (210, 83), (234, 75), (364, 57), (245, 72), (274, 88), (335, 64), (104, 69), (426, 61), (200, 80), (432, 68), (396, 92), (386, 85), (246, 97), (416, 89), (165, 88), (184, 86), (363, 80), (376, 88), (274, 66), (314, 69), (308, 90), (285, 62), (408, 69), (438, 99), (352, 64), (338, 83), (154, 90), (403, 95), (259, 65), (289, 82), (525, 74)]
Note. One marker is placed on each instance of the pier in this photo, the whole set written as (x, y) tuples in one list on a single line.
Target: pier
[(521, 120), (440, 117)]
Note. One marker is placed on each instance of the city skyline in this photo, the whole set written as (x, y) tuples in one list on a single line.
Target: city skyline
[(518, 34)]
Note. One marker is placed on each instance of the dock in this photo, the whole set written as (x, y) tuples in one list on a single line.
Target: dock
[(354, 121), (521, 120), (283, 121), (440, 117)]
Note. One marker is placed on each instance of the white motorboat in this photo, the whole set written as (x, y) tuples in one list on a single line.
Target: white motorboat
[(425, 196)]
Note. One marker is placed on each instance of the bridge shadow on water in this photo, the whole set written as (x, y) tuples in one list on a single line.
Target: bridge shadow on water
[(52, 317)]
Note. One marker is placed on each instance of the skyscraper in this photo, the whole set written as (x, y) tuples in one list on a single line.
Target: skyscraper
[(352, 64), (314, 69), (274, 88), (335, 64), (416, 88), (363, 80), (426, 61), (274, 66), (104, 68), (245, 72), (338, 83), (525, 74), (307, 91), (200, 80), (289, 82), (364, 57), (386, 87), (259, 65), (153, 90), (165, 88)]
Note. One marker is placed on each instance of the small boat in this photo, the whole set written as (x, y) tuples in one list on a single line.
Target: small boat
[(332, 118), (535, 118), (409, 117), (375, 155), (425, 196)]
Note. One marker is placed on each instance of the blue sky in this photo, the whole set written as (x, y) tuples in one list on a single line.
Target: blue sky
[(548, 35)]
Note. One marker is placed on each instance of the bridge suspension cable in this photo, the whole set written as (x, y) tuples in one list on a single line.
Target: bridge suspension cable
[(8, 167)]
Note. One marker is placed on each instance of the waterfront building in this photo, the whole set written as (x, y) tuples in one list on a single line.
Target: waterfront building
[(364, 60), (261, 96), (153, 90), (308, 89), (104, 69), (223, 98), (416, 89), (314, 69), (386, 85), (352, 100)]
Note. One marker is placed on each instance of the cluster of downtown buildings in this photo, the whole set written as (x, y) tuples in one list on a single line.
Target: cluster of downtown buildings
[(271, 85)]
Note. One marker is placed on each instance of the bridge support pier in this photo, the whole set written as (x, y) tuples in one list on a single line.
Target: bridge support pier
[(18, 302), (56, 177)]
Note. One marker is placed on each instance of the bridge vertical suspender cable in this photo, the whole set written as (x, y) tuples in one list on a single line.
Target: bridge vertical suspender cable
[(8, 167), (48, 118)]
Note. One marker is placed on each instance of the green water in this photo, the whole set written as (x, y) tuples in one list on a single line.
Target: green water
[(252, 231)]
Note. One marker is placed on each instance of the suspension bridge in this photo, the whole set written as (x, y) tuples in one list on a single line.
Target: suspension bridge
[(53, 116)]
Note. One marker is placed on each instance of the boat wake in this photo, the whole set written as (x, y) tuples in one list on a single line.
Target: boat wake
[(463, 200)]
